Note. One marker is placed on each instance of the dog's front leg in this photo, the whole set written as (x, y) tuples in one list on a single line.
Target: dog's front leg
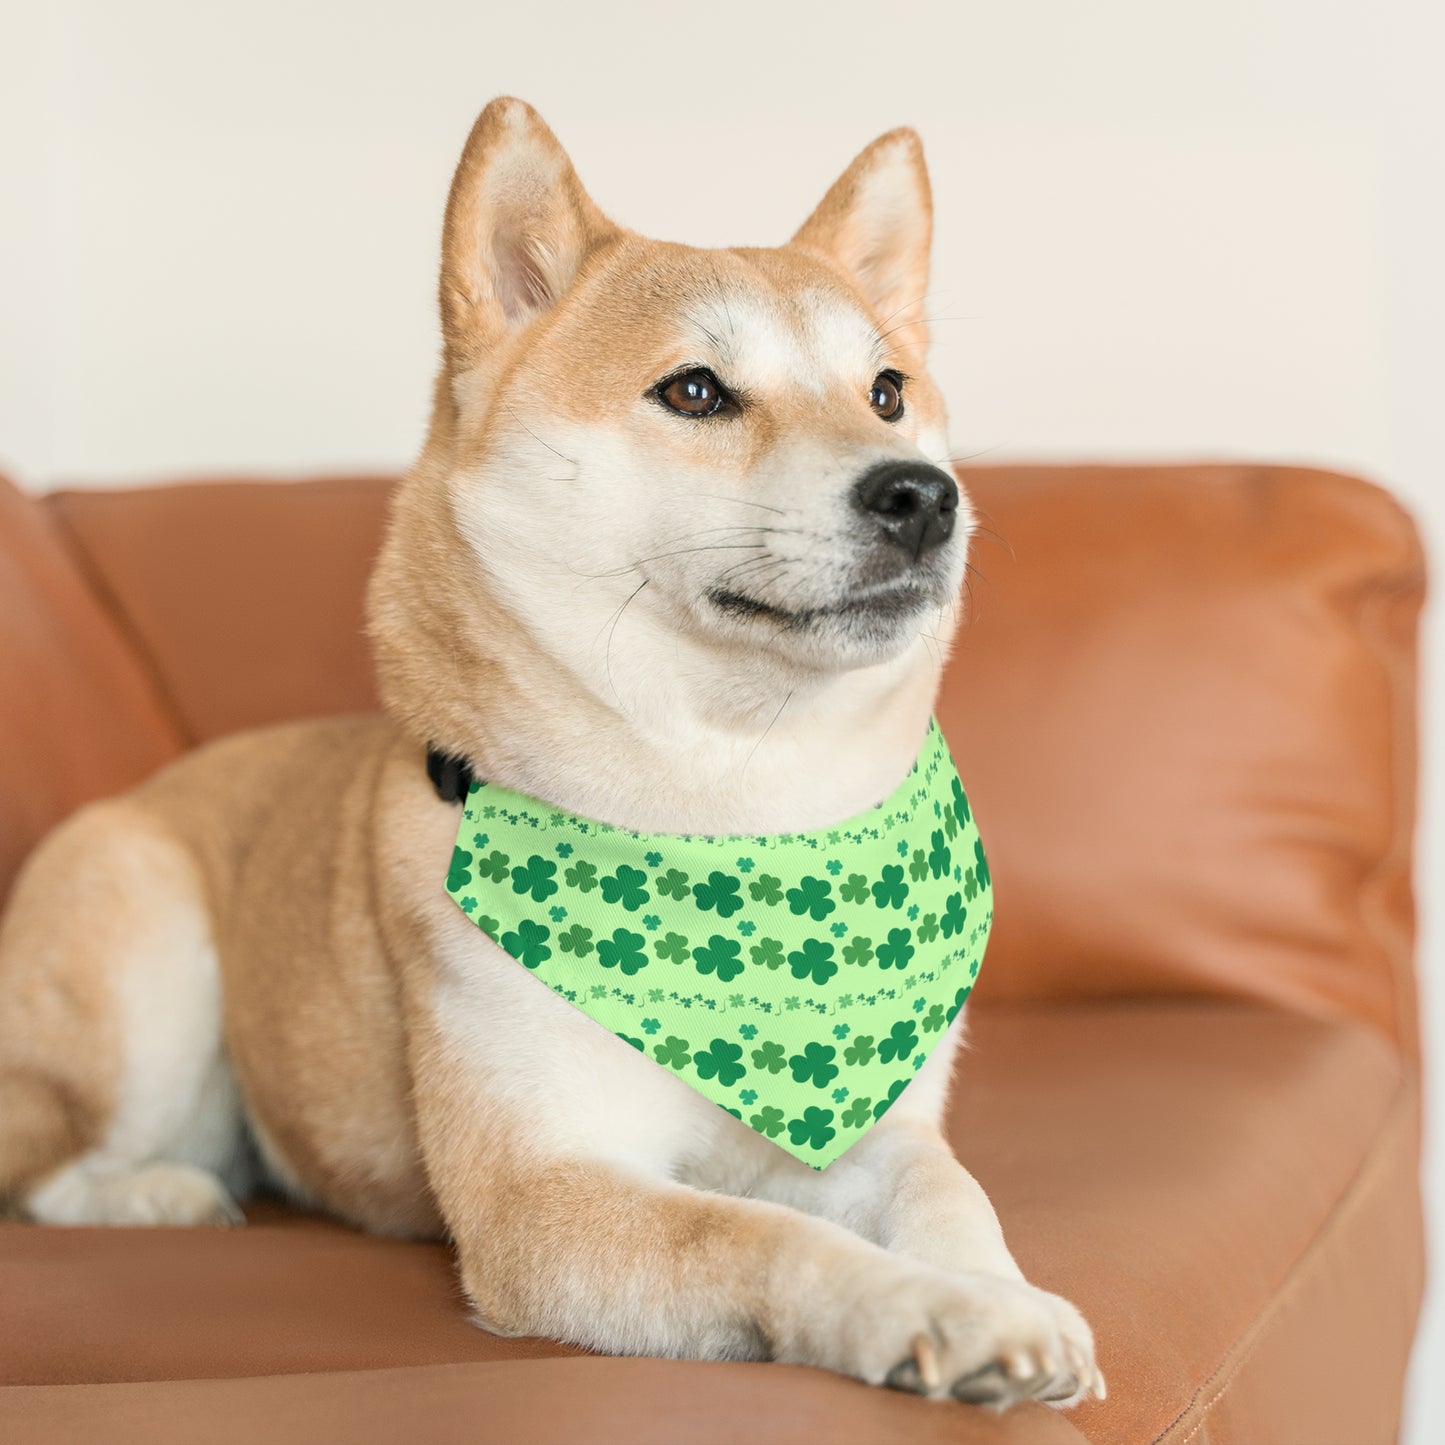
[(900, 1185), (618, 1259), (585, 1252), (901, 1188)]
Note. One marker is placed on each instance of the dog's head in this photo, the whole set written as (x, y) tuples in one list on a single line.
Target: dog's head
[(737, 451)]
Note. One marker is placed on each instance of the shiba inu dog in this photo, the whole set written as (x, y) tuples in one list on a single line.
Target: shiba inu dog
[(677, 554)]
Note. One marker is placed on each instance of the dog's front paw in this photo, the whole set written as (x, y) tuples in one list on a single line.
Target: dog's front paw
[(979, 1338)]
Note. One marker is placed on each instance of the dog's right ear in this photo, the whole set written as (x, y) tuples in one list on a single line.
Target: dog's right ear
[(518, 227)]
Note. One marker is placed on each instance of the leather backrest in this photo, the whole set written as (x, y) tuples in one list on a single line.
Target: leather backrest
[(1185, 711), (79, 715), (247, 596), (1183, 705)]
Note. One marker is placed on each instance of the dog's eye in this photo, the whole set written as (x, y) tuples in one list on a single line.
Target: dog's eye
[(886, 397), (694, 393)]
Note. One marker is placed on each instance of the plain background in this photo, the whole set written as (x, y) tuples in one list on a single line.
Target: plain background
[(1164, 230)]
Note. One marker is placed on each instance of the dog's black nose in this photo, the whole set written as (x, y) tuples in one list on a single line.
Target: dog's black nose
[(914, 504)]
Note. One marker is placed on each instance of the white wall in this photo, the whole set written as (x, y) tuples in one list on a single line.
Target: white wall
[(1164, 228)]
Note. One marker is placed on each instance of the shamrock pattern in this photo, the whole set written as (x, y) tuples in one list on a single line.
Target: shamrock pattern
[(720, 956), (797, 980), (459, 874)]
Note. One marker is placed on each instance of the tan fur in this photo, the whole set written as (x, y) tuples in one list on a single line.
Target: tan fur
[(263, 924)]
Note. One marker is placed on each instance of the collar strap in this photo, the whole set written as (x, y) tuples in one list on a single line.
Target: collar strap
[(450, 774)]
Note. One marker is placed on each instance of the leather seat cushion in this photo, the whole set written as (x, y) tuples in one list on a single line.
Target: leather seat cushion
[(1225, 1191)]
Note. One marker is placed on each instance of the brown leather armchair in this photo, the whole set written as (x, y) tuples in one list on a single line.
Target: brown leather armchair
[(1185, 708)]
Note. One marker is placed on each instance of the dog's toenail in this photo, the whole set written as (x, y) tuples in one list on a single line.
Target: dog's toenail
[(927, 1358)]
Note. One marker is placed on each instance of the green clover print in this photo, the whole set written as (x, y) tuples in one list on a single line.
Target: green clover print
[(817, 936), (901, 1041), (812, 896), (814, 1129), (770, 1056), (672, 884), (577, 939), (672, 1052), (766, 889), (720, 892), (897, 951), (494, 866), (884, 1105), (528, 945), (721, 1059), (814, 960), (720, 955), (672, 948), (460, 872), (623, 950), (535, 877), (767, 951), (625, 886), (768, 1120), (960, 802), (582, 876), (955, 915), (890, 890), (980, 864), (815, 1063), (959, 999)]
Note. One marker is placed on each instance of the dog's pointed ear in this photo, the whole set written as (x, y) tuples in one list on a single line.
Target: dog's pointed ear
[(518, 228), (877, 223)]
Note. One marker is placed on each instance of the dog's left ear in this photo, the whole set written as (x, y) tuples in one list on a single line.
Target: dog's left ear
[(877, 223)]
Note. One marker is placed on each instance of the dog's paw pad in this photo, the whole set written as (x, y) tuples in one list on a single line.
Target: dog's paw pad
[(988, 1386), (905, 1376)]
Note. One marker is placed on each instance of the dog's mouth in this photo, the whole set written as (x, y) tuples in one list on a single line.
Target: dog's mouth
[(875, 604)]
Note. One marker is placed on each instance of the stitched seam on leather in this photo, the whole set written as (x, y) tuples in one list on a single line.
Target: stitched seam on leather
[(124, 623), (1242, 1351)]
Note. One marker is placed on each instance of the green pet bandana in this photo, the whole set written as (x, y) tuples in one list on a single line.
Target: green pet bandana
[(798, 980)]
